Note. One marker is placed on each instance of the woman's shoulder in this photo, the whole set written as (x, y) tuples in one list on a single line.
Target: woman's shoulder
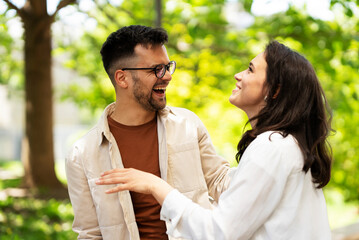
[(278, 148), (276, 139)]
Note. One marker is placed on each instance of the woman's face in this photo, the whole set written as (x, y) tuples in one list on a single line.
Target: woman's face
[(249, 93)]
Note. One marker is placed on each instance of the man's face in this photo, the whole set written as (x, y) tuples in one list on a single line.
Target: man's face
[(148, 90)]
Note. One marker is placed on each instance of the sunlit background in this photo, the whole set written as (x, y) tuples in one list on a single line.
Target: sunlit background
[(210, 41)]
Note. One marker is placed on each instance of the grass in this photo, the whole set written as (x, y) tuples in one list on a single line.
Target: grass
[(32, 218)]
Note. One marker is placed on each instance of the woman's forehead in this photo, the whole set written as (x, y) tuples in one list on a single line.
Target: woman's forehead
[(259, 61)]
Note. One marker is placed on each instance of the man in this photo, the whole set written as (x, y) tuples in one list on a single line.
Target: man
[(139, 131)]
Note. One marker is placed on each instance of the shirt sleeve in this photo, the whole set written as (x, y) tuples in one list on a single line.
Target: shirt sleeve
[(254, 193), (85, 218), (215, 169)]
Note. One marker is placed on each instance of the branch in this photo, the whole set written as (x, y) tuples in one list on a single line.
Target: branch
[(12, 6), (108, 15), (62, 4), (37, 7)]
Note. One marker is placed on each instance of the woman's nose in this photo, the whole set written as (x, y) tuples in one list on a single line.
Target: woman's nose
[(238, 76)]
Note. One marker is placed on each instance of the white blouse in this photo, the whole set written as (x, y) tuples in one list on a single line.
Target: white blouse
[(269, 197)]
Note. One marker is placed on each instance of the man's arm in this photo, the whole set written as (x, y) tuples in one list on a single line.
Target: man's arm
[(85, 221), (215, 169)]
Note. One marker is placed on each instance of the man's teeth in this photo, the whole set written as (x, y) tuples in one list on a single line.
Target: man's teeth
[(159, 89)]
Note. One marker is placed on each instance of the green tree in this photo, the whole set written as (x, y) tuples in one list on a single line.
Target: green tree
[(9, 73)]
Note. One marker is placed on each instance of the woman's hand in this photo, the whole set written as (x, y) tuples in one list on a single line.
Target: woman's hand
[(136, 181)]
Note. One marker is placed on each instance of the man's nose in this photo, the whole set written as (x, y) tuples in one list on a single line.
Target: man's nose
[(167, 76)]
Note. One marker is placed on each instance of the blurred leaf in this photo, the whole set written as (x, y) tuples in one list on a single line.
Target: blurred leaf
[(10, 66), (247, 4)]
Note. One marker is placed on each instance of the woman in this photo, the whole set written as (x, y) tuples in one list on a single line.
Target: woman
[(284, 161)]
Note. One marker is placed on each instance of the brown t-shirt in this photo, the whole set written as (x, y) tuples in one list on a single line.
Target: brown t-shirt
[(138, 146)]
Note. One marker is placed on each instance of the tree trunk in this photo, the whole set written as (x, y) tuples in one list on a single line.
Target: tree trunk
[(38, 153), (158, 7)]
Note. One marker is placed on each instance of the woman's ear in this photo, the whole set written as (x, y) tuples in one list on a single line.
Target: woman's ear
[(120, 79), (276, 92)]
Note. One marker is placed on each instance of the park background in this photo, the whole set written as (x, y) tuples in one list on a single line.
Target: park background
[(53, 88)]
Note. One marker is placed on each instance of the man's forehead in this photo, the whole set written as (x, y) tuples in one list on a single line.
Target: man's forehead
[(143, 48), (156, 54)]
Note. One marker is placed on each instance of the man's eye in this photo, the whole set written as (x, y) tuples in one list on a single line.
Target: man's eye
[(159, 68)]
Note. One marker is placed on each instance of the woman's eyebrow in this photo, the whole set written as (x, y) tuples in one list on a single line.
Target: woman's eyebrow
[(251, 65)]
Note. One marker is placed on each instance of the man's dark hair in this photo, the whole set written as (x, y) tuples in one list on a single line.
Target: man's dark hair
[(121, 44), (295, 105)]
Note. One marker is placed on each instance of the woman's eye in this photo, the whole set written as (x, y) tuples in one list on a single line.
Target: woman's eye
[(250, 69)]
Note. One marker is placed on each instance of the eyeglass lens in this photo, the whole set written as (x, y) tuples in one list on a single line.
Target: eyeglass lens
[(161, 69)]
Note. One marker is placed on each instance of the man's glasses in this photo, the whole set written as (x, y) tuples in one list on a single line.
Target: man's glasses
[(160, 69)]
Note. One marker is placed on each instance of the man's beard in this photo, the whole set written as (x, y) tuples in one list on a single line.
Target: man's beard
[(144, 97)]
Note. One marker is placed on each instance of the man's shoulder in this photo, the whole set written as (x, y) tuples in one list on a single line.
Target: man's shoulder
[(182, 112), (91, 134), (88, 141), (94, 135)]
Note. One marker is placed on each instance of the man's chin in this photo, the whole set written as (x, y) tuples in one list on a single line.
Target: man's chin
[(159, 105), (158, 108)]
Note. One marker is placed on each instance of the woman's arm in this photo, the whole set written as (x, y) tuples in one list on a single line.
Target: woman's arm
[(137, 181), (255, 191)]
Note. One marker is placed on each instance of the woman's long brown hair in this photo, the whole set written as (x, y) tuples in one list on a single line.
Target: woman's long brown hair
[(295, 105)]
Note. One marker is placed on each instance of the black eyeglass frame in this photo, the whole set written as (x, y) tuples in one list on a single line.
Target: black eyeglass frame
[(166, 66)]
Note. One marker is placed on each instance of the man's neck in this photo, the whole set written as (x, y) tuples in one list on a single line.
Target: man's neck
[(131, 116)]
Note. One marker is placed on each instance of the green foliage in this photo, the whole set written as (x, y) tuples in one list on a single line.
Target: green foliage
[(30, 217), (10, 183), (10, 67), (247, 4), (346, 4), (88, 63)]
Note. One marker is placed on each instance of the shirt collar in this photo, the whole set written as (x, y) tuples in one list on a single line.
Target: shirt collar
[(103, 123)]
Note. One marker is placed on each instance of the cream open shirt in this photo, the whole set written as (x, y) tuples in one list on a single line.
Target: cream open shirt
[(187, 161), (269, 198)]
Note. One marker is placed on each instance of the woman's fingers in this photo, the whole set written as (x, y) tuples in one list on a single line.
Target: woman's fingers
[(135, 180), (113, 176), (127, 179), (118, 188), (109, 180), (116, 170)]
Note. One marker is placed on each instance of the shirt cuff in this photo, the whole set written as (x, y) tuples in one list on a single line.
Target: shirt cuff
[(173, 206)]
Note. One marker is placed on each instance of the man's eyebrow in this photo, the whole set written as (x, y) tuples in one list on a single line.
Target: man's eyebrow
[(156, 64)]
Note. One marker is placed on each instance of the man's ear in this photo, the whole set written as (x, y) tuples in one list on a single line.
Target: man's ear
[(120, 79)]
